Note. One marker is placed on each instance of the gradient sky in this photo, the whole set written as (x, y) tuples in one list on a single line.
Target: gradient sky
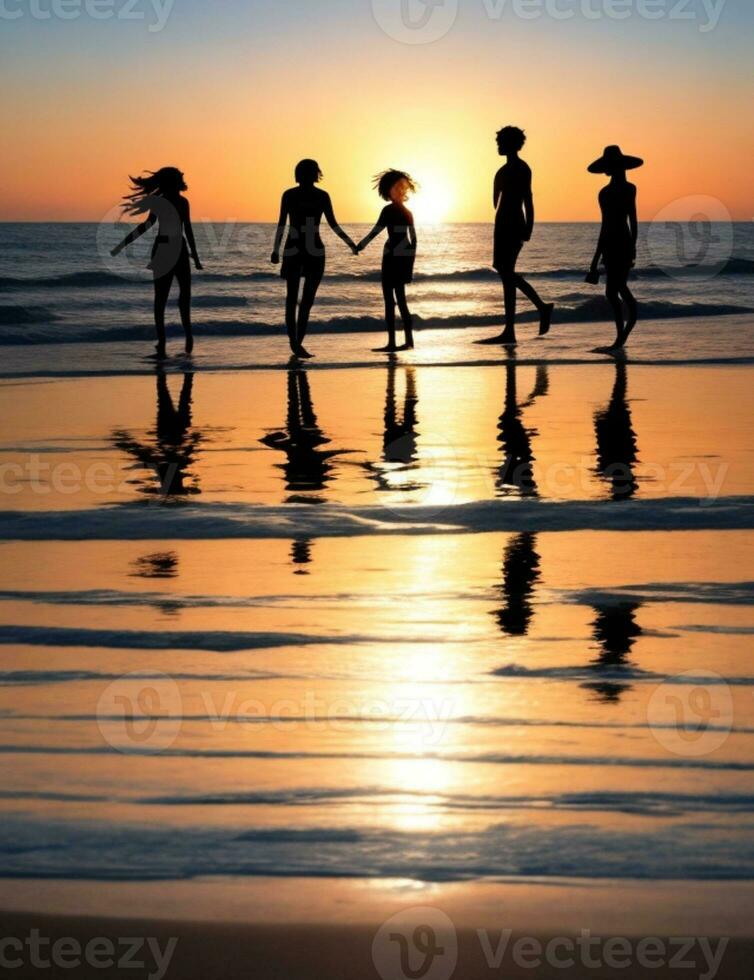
[(236, 91)]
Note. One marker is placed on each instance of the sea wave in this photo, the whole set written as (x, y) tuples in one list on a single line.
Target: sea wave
[(139, 522), (214, 641), (597, 849), (35, 328), (100, 278)]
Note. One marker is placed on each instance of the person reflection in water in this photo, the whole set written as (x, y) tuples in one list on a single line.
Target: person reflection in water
[(173, 450), (301, 555), (521, 562), (303, 207), (617, 242), (514, 224), (521, 573), (615, 630), (308, 468), (516, 473), (617, 452), (399, 439), (160, 195)]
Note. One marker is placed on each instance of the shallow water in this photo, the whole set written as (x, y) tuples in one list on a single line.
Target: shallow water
[(398, 622)]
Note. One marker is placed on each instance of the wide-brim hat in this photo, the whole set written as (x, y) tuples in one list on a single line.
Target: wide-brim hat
[(614, 159)]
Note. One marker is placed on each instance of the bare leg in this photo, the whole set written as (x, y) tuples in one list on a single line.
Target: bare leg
[(291, 308), (529, 292), (509, 294), (183, 274), (633, 311), (615, 285), (389, 295), (161, 293), (311, 285), (408, 321)]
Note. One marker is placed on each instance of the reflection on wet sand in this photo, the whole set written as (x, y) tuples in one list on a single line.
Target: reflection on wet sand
[(301, 555), (308, 469), (161, 564), (616, 630), (617, 452), (516, 474), (520, 577), (399, 439), (171, 452), (520, 559)]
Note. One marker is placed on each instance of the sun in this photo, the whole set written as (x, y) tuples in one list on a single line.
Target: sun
[(433, 201)]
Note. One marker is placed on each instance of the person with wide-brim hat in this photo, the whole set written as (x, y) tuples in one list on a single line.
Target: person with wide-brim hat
[(616, 247), (614, 159)]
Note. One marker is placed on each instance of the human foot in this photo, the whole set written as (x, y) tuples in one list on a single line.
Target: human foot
[(613, 349), (499, 339), (545, 319), (387, 349), (303, 352)]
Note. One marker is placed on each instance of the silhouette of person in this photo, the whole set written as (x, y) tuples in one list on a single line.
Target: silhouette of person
[(160, 194), (616, 630), (514, 438), (174, 448), (616, 440), (399, 255), (303, 208), (514, 224), (308, 468), (617, 242), (521, 574)]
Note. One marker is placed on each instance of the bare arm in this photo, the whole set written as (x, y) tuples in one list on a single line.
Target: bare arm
[(633, 221), (189, 230), (330, 218), (136, 233), (497, 190), (280, 231), (528, 207), (598, 253), (379, 227)]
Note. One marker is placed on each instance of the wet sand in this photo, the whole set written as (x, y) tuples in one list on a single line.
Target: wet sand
[(577, 680)]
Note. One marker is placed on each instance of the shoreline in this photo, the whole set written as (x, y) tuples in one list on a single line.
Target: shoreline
[(223, 930)]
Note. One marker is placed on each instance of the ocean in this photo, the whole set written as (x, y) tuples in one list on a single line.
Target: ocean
[(58, 283)]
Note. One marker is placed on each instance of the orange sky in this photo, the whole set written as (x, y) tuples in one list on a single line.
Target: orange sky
[(236, 120)]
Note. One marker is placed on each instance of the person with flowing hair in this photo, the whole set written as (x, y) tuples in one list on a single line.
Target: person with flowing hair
[(399, 255), (159, 195)]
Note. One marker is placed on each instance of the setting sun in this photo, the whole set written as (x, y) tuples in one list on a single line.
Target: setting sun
[(433, 201)]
